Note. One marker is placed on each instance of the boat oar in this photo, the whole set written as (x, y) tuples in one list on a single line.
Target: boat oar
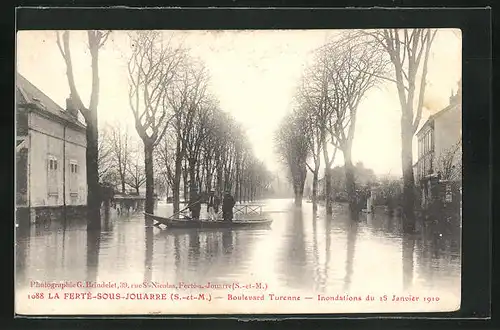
[(179, 212)]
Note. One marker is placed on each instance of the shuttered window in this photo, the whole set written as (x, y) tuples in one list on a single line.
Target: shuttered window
[(52, 176), (73, 177)]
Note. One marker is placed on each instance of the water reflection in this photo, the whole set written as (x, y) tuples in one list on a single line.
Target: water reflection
[(294, 262), (148, 258), (352, 232), (408, 259), (22, 252), (304, 250), (93, 247)]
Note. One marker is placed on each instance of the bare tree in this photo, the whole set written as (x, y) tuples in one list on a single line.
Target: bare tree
[(352, 69), (315, 114), (104, 161), (196, 129), (151, 68), (120, 149), (408, 50), (319, 102), (96, 40), (449, 162), (292, 146), (135, 174), (184, 96)]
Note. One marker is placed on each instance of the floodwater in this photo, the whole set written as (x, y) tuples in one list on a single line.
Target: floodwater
[(304, 254)]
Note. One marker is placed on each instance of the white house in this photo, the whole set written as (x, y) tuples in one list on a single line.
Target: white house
[(50, 157), (440, 151)]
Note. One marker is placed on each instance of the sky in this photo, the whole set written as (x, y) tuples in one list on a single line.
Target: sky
[(254, 75)]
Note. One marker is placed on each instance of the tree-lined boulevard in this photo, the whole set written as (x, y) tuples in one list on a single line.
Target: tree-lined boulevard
[(324, 119), (185, 137)]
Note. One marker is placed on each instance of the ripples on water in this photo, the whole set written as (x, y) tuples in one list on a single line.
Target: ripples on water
[(303, 251)]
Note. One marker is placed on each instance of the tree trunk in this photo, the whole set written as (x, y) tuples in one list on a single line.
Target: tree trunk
[(185, 174), (315, 189), (219, 180), (328, 191), (298, 198), (298, 184), (148, 166), (240, 192), (350, 181), (237, 187), (176, 184), (93, 186), (192, 173), (176, 193), (123, 184), (408, 179)]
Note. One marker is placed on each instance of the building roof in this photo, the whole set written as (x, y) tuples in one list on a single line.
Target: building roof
[(27, 93), (436, 115)]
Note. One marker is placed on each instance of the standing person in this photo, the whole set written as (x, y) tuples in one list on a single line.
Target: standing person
[(212, 205), (369, 201), (194, 204), (227, 206)]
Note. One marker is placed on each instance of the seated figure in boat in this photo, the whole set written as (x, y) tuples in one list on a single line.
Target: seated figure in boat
[(227, 206), (213, 205)]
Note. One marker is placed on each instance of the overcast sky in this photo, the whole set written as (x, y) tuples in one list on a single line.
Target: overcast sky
[(253, 74)]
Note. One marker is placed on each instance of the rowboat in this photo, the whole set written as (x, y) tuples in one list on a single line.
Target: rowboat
[(205, 223)]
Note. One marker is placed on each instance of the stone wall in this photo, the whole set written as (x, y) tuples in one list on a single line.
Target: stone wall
[(35, 215)]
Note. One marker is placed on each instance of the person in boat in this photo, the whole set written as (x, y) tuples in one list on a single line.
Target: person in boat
[(212, 205), (227, 206), (195, 205)]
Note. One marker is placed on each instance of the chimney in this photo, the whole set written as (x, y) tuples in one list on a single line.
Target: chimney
[(456, 98), (452, 97), (71, 108)]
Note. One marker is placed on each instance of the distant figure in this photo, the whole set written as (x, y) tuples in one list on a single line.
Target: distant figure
[(227, 207), (389, 203), (213, 205), (369, 201), (195, 206)]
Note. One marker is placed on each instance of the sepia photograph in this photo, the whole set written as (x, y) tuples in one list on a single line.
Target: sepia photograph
[(165, 172)]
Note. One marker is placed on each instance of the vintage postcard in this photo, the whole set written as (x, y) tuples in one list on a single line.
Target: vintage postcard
[(238, 171)]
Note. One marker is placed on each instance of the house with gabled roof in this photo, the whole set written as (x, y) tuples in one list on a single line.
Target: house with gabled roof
[(50, 157), (438, 170)]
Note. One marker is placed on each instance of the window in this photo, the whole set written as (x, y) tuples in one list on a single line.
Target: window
[(73, 168), (425, 144), (432, 141), (52, 176), (73, 180), (429, 141), (52, 164)]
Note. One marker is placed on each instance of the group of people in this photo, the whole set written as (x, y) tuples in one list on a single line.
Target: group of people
[(213, 204)]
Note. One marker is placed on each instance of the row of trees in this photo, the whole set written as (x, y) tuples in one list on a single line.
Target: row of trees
[(323, 120), (182, 127), (120, 159), (184, 133)]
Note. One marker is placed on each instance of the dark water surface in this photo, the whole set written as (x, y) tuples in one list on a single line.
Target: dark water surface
[(301, 252)]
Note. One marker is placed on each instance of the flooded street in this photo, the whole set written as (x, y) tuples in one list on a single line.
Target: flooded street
[(304, 254)]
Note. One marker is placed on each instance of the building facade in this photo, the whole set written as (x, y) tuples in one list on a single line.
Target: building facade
[(438, 170), (50, 157)]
